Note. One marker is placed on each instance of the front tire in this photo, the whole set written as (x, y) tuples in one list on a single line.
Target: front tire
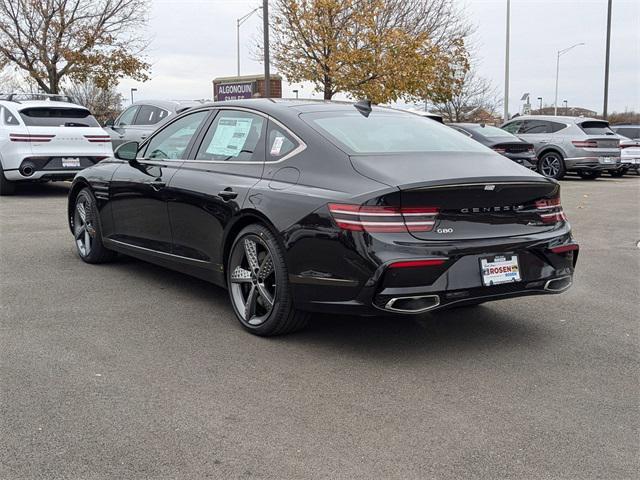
[(6, 187), (87, 234), (589, 174), (551, 165), (258, 284)]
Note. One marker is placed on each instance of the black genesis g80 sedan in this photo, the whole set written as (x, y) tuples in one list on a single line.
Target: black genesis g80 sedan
[(303, 206)]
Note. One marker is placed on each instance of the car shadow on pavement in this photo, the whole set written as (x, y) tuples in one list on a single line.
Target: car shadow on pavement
[(494, 325), (49, 189)]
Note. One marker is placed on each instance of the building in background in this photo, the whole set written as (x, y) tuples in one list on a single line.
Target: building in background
[(246, 86)]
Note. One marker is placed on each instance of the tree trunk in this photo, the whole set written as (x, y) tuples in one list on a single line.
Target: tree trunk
[(328, 90)]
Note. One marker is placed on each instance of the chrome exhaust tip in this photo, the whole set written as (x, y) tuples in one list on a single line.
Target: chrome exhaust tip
[(27, 169), (559, 284), (416, 304)]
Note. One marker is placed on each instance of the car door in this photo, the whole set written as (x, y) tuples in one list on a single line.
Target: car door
[(537, 132), (213, 184), (138, 188), (119, 130)]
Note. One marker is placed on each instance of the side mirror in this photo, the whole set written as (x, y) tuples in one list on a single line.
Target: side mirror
[(109, 123), (127, 151)]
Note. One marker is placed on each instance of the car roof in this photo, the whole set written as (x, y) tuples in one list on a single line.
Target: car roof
[(560, 118), (22, 104), (172, 105)]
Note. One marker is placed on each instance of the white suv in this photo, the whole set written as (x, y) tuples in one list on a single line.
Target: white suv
[(45, 137)]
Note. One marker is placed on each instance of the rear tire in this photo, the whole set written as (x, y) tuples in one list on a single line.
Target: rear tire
[(6, 187), (589, 175), (85, 224), (618, 173), (258, 283), (551, 165)]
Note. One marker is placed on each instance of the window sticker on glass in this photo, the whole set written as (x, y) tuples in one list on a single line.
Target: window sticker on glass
[(230, 137), (277, 145)]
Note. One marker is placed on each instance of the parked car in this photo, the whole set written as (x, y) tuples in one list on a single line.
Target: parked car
[(313, 206), (630, 147), (569, 144), (46, 137), (140, 119), (500, 141)]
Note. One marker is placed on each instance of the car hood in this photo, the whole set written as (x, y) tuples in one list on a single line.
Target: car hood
[(414, 169)]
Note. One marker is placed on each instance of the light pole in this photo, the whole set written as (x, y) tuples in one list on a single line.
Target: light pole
[(606, 64), (561, 52), (296, 92), (133, 90), (506, 65), (540, 108), (265, 28), (566, 107), (240, 21)]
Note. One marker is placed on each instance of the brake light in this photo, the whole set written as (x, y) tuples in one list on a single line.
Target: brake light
[(550, 210), (20, 137), (585, 143), (565, 248), (431, 262), (375, 219), (98, 138), (499, 150)]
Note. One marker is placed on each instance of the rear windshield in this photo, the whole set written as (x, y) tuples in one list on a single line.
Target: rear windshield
[(58, 117), (596, 128), (629, 132), (384, 132), (490, 132)]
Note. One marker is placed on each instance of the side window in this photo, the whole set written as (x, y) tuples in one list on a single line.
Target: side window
[(149, 115), (127, 117), (234, 136), (512, 127), (279, 142), (171, 142), (556, 127), (535, 126), (8, 117)]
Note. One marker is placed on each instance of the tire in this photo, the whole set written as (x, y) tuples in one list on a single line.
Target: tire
[(618, 173), (85, 224), (551, 165), (258, 283), (589, 174), (6, 187)]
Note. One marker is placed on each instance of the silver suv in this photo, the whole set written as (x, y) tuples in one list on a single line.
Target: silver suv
[(569, 144)]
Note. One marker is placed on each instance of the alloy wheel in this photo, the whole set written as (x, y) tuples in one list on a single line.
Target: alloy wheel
[(550, 165), (252, 279), (83, 230)]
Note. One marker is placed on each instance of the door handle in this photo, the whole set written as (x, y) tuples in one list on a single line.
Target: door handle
[(157, 185), (228, 194)]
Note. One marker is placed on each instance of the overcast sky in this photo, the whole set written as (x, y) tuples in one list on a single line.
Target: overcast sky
[(193, 41)]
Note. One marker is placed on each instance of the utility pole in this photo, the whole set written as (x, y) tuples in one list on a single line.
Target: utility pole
[(560, 53), (240, 21), (265, 27), (506, 65), (606, 64)]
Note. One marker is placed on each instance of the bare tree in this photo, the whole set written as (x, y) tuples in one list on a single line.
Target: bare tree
[(104, 103), (475, 99), (77, 39)]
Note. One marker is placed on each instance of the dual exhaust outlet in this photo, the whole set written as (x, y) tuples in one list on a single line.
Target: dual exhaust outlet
[(424, 303)]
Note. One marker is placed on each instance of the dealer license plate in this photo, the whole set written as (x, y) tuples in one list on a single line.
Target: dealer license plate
[(607, 160), (70, 162), (499, 269)]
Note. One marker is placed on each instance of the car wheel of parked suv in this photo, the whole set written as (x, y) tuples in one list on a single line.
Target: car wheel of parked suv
[(589, 175), (552, 165), (86, 229), (258, 284), (618, 173)]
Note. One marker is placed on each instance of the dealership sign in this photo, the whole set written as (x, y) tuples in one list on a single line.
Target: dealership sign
[(234, 91)]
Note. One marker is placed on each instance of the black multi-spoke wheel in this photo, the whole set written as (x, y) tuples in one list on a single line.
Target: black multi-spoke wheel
[(551, 165), (86, 229), (258, 284)]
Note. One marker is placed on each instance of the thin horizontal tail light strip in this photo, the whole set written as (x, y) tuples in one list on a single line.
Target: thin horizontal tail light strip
[(19, 137), (550, 210), (98, 138), (358, 218)]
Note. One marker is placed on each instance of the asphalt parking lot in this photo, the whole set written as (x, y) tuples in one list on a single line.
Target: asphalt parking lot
[(131, 371)]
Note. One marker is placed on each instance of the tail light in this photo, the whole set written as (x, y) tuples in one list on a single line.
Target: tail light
[(430, 262), (550, 210), (585, 143), (98, 138), (572, 247), (499, 150), (374, 219), (19, 137), (531, 149)]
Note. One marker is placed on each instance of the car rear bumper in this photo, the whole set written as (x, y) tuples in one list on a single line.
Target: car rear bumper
[(592, 163), (48, 168), (526, 160)]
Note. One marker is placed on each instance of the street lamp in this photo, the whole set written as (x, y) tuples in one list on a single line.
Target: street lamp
[(566, 108), (506, 63), (540, 109), (240, 21), (561, 52), (296, 92), (133, 90)]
